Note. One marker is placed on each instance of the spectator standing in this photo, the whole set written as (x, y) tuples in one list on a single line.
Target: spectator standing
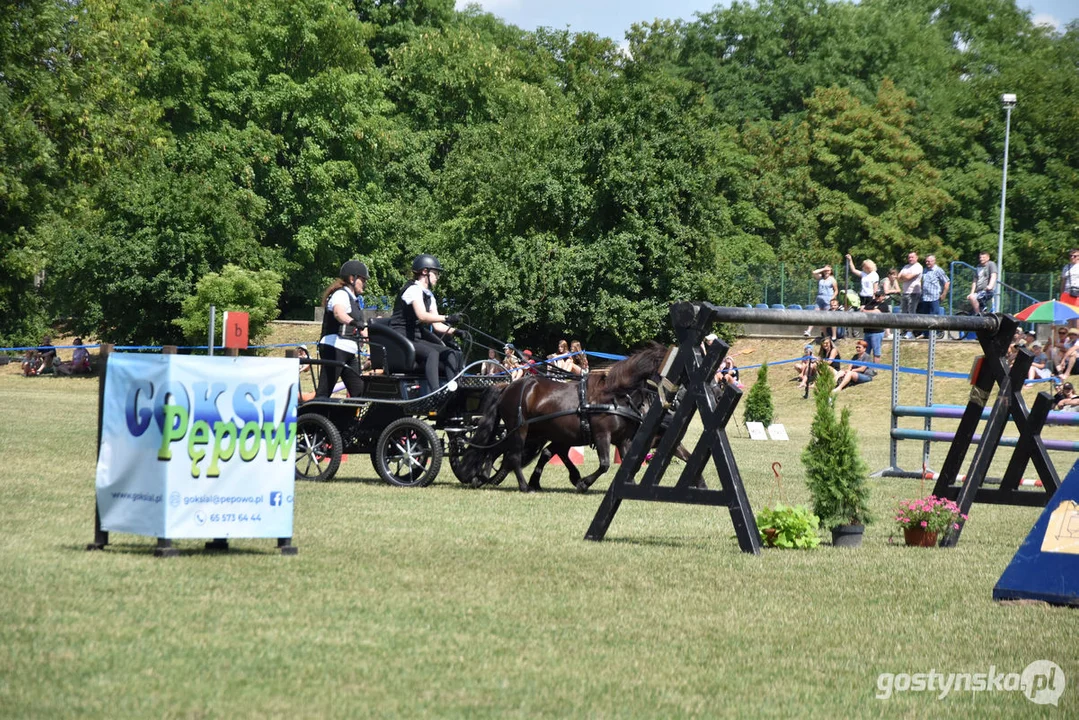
[(835, 333), (1069, 280), (910, 277), (935, 287), (893, 293), (868, 277), (874, 336), (984, 285), (827, 288)]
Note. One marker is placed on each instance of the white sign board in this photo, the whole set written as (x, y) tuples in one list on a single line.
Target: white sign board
[(756, 431), (198, 447), (777, 432)]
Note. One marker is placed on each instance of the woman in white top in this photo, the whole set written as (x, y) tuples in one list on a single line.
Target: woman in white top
[(343, 326), (869, 278)]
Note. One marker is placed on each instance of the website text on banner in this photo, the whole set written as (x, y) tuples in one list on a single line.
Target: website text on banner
[(198, 447)]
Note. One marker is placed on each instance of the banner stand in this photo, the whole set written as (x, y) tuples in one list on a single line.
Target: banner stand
[(164, 547)]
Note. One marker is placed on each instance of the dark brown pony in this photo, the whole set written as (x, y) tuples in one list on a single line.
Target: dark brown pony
[(544, 414)]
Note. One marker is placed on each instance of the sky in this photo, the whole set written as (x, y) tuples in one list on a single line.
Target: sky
[(611, 18)]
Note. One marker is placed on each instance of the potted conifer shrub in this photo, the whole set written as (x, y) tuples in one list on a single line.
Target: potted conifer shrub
[(835, 471), (759, 406)]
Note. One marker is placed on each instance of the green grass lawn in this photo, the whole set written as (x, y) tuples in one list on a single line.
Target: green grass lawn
[(450, 601)]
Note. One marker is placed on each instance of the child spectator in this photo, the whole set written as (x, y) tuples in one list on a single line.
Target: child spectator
[(806, 366)]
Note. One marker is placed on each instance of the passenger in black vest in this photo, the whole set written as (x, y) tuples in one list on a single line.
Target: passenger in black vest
[(343, 328), (415, 306)]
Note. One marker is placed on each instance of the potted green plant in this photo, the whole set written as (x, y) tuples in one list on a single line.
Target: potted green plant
[(835, 471), (788, 527), (924, 519)]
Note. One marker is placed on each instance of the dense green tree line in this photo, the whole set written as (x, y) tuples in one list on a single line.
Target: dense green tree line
[(569, 184)]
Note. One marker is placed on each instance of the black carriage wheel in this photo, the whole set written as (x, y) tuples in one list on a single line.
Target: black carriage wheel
[(318, 448), (458, 443), (958, 334), (408, 453)]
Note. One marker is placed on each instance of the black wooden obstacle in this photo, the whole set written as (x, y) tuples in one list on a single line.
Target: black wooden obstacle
[(992, 369), (684, 383)]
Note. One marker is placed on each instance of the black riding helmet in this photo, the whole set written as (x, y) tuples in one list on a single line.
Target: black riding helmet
[(354, 268), (425, 262)]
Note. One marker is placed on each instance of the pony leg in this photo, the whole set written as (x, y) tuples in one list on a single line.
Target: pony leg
[(603, 449), (544, 458)]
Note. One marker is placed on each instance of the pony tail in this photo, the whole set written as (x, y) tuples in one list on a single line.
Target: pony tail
[(477, 453)]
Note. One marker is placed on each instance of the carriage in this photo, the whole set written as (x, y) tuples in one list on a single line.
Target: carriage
[(397, 421)]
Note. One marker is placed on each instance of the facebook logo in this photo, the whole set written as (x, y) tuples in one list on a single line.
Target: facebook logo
[(275, 498)]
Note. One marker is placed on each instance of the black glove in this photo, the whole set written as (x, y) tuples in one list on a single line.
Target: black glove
[(463, 335), (453, 319), (358, 324)]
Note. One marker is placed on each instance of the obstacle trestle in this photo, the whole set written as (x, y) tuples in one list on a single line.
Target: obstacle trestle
[(685, 380)]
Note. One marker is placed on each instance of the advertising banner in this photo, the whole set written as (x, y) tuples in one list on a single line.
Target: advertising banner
[(198, 447)]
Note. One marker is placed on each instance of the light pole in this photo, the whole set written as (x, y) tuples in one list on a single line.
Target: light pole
[(1008, 101)]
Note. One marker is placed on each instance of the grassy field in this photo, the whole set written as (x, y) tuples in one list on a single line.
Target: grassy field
[(450, 601)]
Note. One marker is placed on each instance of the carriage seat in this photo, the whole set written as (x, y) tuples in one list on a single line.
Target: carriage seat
[(391, 351)]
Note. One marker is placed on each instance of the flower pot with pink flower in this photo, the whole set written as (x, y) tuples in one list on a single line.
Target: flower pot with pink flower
[(924, 519)]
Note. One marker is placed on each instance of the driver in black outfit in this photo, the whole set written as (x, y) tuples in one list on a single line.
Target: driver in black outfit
[(415, 306)]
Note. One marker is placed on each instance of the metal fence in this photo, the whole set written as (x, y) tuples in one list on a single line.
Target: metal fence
[(782, 285)]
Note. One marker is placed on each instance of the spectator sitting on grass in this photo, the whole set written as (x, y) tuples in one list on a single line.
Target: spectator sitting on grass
[(728, 372), (1070, 349), (1066, 400), (859, 371), (47, 357), (1039, 366), (805, 366)]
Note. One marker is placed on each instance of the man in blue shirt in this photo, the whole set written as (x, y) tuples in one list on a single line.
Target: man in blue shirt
[(935, 286)]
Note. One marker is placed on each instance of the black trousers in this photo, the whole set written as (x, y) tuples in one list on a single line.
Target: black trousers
[(431, 356), (329, 374)]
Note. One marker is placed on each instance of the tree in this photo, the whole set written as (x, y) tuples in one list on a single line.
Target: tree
[(232, 290), (852, 179), (759, 405), (836, 474)]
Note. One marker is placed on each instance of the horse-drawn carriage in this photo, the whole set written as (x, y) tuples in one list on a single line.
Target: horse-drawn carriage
[(396, 421)]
